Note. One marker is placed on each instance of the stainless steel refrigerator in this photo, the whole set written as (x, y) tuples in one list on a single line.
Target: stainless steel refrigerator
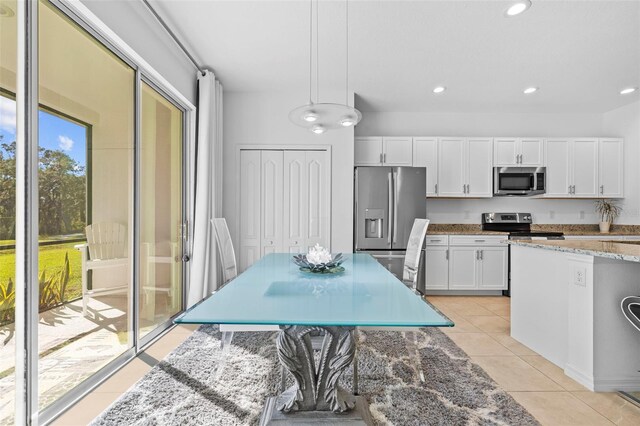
[(387, 201)]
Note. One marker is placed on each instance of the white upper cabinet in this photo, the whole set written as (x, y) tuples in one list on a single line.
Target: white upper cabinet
[(558, 161), (368, 151), (479, 182), (585, 168), (397, 151), (425, 154), (610, 168), (518, 152), (452, 178), (531, 152), (383, 151), (505, 152), (468, 167)]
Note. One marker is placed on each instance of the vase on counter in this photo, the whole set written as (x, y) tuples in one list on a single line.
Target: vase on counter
[(604, 227)]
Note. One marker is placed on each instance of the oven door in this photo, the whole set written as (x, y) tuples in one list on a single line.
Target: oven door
[(518, 181)]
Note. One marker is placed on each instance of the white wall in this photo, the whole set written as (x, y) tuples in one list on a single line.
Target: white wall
[(624, 122), (262, 119), (517, 124), (134, 24)]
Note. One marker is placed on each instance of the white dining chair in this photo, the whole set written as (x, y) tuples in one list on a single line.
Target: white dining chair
[(412, 263), (229, 272)]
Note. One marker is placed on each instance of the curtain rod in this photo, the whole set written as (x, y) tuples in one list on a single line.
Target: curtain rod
[(173, 36)]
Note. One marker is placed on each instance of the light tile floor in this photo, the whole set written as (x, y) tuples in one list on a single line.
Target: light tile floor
[(482, 331)]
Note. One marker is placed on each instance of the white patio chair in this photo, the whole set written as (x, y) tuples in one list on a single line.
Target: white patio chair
[(151, 255), (106, 248)]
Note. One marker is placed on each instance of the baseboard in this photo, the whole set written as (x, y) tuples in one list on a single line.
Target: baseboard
[(610, 384), (463, 292), (583, 379)]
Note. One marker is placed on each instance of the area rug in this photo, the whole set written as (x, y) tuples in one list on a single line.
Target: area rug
[(182, 388)]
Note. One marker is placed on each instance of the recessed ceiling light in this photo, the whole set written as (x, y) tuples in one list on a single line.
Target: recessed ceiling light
[(628, 90), (439, 89), (530, 90), (517, 8)]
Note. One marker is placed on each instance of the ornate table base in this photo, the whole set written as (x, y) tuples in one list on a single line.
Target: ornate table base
[(316, 397)]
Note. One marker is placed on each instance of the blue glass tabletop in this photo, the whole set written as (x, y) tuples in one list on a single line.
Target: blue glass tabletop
[(274, 291)]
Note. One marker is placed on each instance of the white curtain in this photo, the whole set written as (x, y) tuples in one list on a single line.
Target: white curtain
[(206, 188)]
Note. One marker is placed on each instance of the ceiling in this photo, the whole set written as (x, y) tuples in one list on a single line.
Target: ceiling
[(579, 53)]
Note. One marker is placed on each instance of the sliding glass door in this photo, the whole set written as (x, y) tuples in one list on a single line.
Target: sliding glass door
[(110, 211), (86, 181), (8, 51), (161, 204)]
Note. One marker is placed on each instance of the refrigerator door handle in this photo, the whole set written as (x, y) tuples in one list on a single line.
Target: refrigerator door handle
[(395, 207), (390, 211)]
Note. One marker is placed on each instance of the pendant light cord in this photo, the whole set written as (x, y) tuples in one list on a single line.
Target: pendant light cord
[(317, 53), (310, 50), (346, 79)]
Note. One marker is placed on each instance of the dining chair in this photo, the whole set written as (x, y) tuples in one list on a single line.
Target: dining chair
[(412, 262), (229, 272)]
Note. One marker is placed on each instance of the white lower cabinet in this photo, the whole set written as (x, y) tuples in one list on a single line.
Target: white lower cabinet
[(466, 262), (437, 272), (462, 268), (492, 266)]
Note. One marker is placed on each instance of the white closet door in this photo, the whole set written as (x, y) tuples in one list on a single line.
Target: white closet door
[(295, 201), (272, 201), (318, 194), (249, 208)]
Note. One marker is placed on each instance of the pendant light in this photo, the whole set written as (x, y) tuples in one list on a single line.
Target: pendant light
[(319, 117)]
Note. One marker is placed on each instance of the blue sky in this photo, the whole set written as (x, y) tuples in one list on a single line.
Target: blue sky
[(54, 132)]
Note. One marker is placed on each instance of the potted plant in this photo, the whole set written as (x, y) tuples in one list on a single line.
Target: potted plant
[(608, 211)]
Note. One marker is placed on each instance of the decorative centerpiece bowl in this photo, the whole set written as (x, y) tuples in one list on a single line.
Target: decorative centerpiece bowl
[(319, 261)]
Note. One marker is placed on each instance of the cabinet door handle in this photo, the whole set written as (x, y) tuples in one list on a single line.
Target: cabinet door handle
[(601, 189), (477, 255), (464, 188), (384, 157), (446, 254), (436, 188), (569, 189), (481, 254), (380, 158), (574, 190), (468, 188), (479, 241)]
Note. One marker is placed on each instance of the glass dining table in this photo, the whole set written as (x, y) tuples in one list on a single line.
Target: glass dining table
[(273, 291)]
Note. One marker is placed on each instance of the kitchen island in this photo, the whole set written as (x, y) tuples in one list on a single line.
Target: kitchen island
[(565, 305)]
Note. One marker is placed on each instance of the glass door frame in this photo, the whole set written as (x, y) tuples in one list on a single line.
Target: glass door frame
[(27, 98)]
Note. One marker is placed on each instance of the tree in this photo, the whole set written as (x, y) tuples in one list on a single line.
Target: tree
[(62, 192), (7, 190)]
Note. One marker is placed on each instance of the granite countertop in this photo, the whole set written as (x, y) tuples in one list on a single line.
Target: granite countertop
[(569, 229), (459, 229), (628, 250)]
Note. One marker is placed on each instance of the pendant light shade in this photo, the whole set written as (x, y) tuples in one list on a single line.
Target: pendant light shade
[(321, 117), (329, 116)]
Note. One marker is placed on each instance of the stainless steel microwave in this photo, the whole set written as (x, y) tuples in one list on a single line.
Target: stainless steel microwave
[(519, 181)]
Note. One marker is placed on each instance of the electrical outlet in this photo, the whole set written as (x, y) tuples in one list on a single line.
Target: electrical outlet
[(580, 276)]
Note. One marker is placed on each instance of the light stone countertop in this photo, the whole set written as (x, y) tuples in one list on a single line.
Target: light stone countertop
[(567, 229), (620, 250)]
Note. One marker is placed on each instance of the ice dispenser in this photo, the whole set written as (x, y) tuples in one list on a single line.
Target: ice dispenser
[(373, 223)]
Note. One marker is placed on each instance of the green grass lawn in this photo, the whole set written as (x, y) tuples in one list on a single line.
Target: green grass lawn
[(50, 258)]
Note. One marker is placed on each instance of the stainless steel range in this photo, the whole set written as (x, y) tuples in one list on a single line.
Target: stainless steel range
[(518, 225)]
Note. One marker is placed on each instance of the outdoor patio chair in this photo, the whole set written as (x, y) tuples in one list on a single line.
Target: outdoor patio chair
[(152, 254), (105, 249)]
